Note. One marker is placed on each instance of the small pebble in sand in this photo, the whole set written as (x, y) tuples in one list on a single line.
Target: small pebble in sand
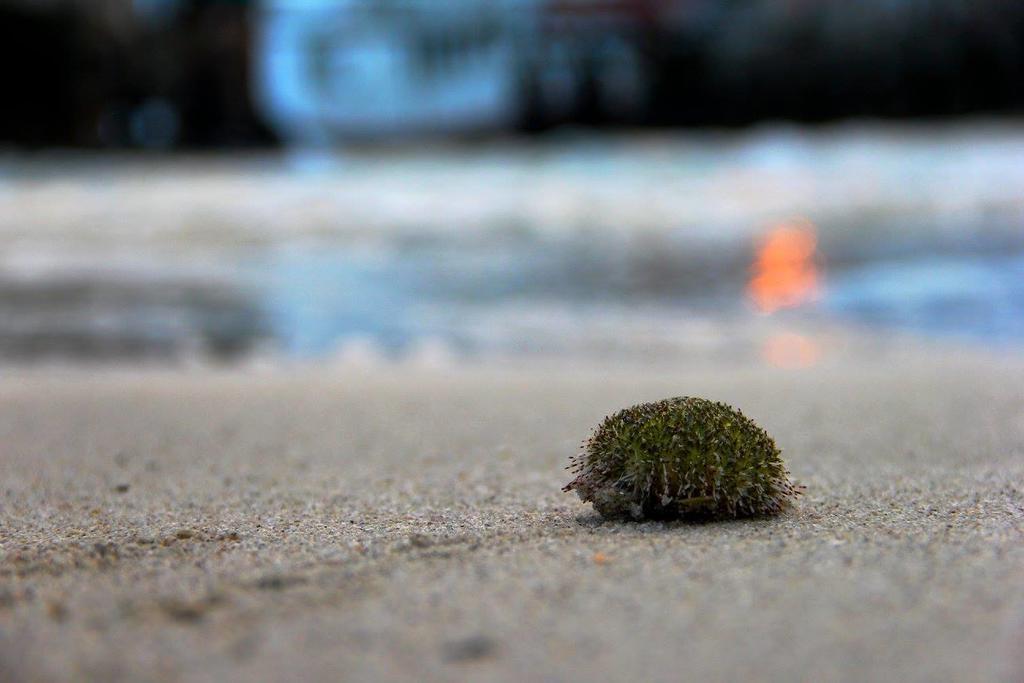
[(277, 582), (681, 458), (420, 540), (57, 610), (190, 609), (469, 649), (104, 549), (183, 610)]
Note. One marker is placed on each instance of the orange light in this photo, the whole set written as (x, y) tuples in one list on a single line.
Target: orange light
[(784, 272), (791, 350)]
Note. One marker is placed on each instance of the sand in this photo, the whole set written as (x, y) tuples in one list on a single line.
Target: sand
[(394, 522)]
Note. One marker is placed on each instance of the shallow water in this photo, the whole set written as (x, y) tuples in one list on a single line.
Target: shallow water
[(620, 246), (551, 300), (527, 298)]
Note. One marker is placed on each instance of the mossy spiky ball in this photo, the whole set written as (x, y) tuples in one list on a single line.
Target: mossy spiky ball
[(681, 458)]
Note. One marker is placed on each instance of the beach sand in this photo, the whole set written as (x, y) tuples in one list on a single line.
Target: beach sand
[(406, 522)]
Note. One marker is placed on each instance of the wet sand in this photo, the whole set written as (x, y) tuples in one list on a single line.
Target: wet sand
[(371, 523)]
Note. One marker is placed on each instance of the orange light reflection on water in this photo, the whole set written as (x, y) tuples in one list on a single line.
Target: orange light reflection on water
[(791, 350), (785, 273)]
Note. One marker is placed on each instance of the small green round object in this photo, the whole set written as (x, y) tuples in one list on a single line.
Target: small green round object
[(678, 458)]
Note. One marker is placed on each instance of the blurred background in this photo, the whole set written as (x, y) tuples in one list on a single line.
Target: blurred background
[(779, 182)]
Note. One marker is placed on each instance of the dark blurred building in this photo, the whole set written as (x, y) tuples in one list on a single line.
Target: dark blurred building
[(124, 73), (173, 73), (734, 62)]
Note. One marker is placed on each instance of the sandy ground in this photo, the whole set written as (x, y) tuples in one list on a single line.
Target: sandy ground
[(407, 523)]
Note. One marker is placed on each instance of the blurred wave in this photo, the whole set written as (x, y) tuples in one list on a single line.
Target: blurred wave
[(622, 246)]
